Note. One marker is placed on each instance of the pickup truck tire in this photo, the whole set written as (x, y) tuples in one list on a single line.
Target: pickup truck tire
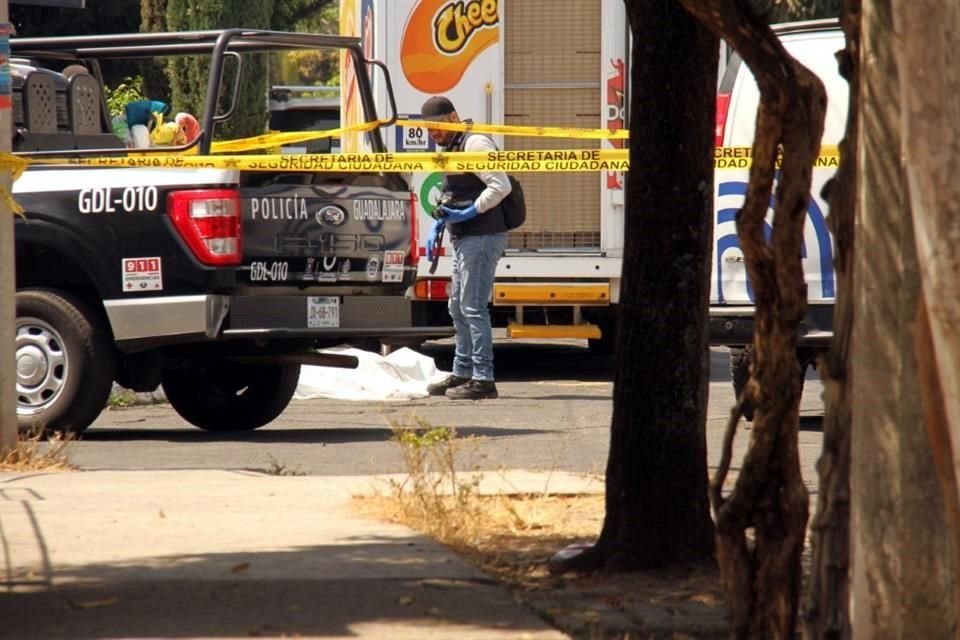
[(65, 362), (230, 396)]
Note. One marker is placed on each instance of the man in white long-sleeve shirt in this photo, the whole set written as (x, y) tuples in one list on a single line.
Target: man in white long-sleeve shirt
[(474, 218)]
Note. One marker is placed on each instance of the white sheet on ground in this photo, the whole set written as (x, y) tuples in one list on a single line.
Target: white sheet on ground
[(402, 375)]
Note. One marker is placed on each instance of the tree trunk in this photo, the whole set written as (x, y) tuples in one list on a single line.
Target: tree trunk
[(925, 34), (826, 611), (657, 510), (900, 579), (761, 525), (8, 289)]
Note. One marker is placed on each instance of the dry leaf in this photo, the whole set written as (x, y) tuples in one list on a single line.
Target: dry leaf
[(705, 598), (406, 601), (94, 604), (240, 568)]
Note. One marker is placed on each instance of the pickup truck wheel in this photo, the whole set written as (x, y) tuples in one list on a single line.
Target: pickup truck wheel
[(65, 362), (228, 396)]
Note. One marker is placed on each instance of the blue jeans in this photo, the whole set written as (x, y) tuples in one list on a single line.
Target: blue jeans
[(474, 267)]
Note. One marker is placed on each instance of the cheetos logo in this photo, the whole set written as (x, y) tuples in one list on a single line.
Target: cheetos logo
[(442, 38), (458, 21)]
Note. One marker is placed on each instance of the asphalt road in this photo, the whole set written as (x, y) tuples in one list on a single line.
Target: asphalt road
[(554, 412)]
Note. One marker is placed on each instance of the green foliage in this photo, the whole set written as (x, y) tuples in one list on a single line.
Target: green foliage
[(130, 90), (434, 497), (301, 15), (153, 19), (188, 75), (307, 67), (791, 10), (114, 16)]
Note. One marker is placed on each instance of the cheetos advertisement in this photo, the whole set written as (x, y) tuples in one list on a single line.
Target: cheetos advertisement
[(431, 47), (441, 39)]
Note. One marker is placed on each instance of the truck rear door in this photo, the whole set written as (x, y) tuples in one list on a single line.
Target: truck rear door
[(358, 232)]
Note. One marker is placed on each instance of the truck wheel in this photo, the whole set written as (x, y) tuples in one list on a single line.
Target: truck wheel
[(228, 396), (740, 360), (65, 362)]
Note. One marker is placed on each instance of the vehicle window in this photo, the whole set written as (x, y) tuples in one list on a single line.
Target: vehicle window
[(307, 120)]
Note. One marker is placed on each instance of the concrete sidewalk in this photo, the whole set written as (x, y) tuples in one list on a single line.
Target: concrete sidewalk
[(235, 554)]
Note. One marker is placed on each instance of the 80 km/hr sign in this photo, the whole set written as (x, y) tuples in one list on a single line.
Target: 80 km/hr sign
[(413, 137)]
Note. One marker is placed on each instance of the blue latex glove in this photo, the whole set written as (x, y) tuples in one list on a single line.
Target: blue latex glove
[(453, 216), (432, 247)]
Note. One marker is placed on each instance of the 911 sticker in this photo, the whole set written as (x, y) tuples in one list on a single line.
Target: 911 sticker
[(142, 274), (393, 266)]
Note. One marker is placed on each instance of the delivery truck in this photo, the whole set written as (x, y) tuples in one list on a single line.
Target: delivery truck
[(565, 63), (561, 63)]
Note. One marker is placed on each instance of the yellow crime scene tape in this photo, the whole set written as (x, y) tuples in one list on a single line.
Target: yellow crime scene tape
[(543, 160), (548, 160), (269, 140), (742, 157), (229, 154), (515, 130)]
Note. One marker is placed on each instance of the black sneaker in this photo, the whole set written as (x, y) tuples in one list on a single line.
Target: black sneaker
[(474, 390), (451, 381)]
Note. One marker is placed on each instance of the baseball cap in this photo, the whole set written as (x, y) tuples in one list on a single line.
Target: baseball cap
[(436, 106)]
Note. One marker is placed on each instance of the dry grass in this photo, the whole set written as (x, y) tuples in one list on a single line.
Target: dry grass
[(36, 451), (512, 537)]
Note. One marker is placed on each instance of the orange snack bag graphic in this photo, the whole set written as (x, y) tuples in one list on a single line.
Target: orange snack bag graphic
[(443, 37)]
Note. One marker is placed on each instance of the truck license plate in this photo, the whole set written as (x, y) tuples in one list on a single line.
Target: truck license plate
[(323, 312)]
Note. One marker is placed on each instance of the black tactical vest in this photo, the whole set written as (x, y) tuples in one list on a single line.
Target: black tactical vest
[(463, 189)]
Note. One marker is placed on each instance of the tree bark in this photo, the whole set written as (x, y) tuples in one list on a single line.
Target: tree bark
[(761, 525), (900, 580), (925, 37), (826, 608), (657, 510), (8, 290)]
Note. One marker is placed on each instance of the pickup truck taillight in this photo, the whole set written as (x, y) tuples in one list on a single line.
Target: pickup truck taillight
[(209, 222), (723, 106)]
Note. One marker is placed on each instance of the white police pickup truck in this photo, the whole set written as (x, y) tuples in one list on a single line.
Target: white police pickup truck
[(814, 44)]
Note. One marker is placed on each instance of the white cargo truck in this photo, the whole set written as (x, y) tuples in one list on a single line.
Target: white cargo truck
[(559, 63), (565, 63)]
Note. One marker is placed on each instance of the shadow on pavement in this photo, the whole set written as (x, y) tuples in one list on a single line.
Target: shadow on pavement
[(560, 360), (518, 361), (384, 588), (271, 436)]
